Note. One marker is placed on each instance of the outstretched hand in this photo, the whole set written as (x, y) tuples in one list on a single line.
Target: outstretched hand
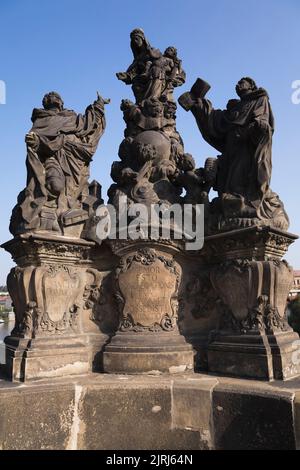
[(102, 101)]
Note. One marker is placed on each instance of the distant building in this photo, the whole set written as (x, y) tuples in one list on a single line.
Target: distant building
[(296, 286), (5, 301)]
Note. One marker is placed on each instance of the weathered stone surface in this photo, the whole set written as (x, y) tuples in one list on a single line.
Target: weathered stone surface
[(148, 338), (42, 358), (148, 281), (60, 292), (253, 338), (192, 407), (244, 418), (241, 356), (141, 360), (36, 418), (132, 418), (147, 291), (129, 412)]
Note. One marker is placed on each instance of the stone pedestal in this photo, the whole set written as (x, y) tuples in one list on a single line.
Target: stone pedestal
[(31, 359), (261, 356), (147, 283), (54, 287), (252, 282)]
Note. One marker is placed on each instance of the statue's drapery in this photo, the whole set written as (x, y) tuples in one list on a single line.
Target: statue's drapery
[(243, 134), (67, 142)]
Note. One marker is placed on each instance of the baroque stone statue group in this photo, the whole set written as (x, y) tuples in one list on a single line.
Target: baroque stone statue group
[(84, 304)]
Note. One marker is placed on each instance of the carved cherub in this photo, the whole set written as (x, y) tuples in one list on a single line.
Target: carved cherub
[(196, 182)]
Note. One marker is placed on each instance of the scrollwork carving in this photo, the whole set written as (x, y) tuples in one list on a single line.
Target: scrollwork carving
[(147, 257), (262, 318), (69, 320), (168, 322)]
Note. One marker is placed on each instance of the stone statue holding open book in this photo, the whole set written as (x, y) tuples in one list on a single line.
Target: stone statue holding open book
[(242, 133)]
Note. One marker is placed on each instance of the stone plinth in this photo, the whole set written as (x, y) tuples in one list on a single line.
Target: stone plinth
[(147, 282), (252, 283), (56, 290), (191, 412)]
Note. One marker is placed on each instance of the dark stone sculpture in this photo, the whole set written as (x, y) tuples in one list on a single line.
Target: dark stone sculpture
[(152, 74), (243, 134), (246, 237), (153, 169), (60, 147), (146, 304), (153, 162)]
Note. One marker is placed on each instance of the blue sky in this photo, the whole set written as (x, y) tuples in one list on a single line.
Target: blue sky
[(75, 47)]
